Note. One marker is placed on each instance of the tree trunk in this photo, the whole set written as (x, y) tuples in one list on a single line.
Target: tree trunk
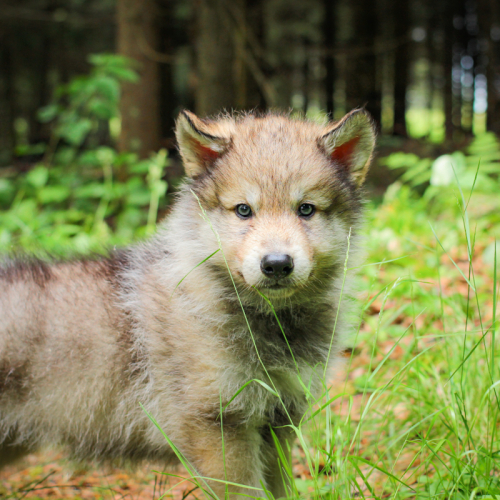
[(446, 21), (329, 43), (401, 64), (255, 25), (41, 69), (168, 100), (362, 87), (493, 75), (136, 34), (215, 89), (6, 104), (470, 49)]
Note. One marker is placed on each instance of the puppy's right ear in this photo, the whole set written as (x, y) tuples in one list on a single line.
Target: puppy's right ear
[(201, 142)]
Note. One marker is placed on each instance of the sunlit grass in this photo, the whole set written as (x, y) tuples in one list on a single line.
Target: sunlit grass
[(416, 415), (414, 411)]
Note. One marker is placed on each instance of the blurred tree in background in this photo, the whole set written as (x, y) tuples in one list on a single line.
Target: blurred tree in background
[(136, 35), (423, 69), (89, 93)]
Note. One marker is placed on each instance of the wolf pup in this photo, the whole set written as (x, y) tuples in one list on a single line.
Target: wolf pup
[(276, 203)]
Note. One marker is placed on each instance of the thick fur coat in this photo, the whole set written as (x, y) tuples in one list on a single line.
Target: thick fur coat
[(83, 343)]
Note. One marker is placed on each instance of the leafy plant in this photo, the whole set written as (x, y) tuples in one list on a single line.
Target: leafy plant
[(417, 412), (479, 166), (80, 108), (83, 196), (80, 206)]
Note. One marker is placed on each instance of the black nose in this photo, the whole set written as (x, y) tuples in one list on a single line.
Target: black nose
[(276, 266)]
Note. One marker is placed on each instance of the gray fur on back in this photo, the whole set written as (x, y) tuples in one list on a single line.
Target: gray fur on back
[(84, 343)]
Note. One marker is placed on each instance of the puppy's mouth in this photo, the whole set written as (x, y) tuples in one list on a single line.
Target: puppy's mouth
[(270, 285), (283, 288), (276, 286)]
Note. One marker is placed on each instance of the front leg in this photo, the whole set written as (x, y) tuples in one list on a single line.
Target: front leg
[(232, 456), (10, 452), (277, 480)]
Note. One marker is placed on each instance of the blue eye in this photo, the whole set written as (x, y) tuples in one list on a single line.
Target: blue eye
[(243, 211), (306, 210)]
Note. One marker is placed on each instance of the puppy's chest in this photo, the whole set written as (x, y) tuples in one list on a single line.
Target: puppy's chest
[(273, 362), (287, 339), (265, 397), (260, 368)]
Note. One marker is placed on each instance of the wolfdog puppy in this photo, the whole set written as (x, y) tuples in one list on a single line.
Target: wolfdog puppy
[(275, 202)]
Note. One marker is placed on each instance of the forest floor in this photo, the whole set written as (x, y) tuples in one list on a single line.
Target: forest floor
[(413, 412), (49, 474)]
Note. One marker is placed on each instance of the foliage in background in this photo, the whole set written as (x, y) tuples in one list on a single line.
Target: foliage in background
[(419, 409), (478, 167), (82, 196), (88, 103), (417, 414)]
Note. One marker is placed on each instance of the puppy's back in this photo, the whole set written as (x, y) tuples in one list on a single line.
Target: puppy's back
[(62, 348)]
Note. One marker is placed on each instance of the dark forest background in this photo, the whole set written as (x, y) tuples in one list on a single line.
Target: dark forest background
[(423, 68), (89, 94)]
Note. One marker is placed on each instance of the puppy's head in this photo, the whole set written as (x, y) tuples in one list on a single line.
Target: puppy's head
[(282, 194)]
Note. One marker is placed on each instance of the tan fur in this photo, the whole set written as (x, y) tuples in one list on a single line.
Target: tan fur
[(83, 343)]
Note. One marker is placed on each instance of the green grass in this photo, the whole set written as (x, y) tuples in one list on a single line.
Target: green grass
[(416, 415), (414, 412)]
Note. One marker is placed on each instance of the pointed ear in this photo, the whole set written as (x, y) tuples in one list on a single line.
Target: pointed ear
[(201, 142), (350, 142)]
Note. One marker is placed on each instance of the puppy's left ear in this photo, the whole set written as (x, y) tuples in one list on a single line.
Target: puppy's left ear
[(201, 142), (350, 142)]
